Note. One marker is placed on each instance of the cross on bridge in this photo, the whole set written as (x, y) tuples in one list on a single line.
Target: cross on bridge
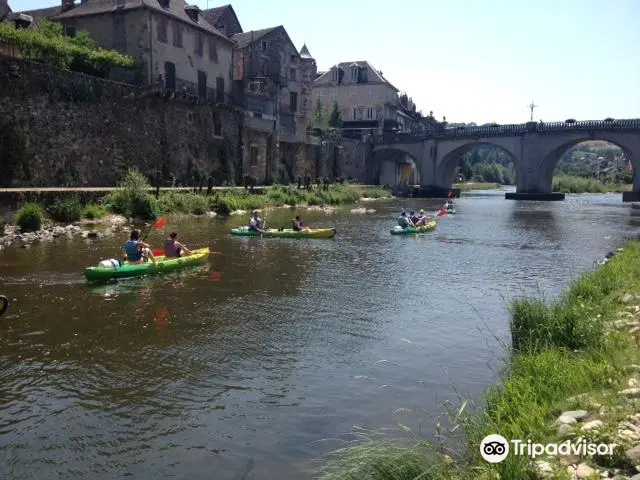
[(535, 148)]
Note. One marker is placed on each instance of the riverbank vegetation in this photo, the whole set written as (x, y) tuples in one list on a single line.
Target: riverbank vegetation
[(477, 186), (575, 184), (48, 44), (133, 198), (577, 355)]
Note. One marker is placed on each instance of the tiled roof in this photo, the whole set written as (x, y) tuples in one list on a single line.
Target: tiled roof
[(374, 75), (43, 12), (176, 10), (244, 39), (213, 15)]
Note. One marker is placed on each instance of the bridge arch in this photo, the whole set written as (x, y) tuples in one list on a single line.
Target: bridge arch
[(449, 160), (383, 156), (557, 147)]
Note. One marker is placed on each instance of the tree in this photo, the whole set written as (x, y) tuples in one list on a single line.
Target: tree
[(335, 120), (319, 120)]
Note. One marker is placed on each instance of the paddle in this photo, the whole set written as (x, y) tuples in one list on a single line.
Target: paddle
[(159, 252), (160, 223)]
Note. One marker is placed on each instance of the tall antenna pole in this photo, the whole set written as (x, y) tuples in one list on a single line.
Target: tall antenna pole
[(531, 107)]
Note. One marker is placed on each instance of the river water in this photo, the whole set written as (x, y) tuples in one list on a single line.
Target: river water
[(252, 366)]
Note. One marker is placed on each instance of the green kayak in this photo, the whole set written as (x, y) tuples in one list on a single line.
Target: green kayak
[(149, 268), (285, 233), (429, 227)]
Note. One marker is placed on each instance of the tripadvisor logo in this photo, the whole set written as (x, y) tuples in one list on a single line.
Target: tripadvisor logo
[(495, 448)]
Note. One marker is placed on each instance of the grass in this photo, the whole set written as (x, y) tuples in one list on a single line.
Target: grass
[(560, 349), (477, 186), (572, 184)]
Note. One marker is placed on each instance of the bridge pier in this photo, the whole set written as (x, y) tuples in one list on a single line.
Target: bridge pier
[(536, 197), (630, 197)]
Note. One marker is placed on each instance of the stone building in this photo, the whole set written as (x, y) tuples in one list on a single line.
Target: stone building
[(368, 102), (173, 44)]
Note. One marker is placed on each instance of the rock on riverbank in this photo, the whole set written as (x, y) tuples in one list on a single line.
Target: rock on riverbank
[(49, 233)]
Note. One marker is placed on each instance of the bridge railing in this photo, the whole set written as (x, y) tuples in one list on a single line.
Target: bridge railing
[(511, 130)]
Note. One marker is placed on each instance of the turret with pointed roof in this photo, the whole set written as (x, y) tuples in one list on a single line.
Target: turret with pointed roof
[(304, 52)]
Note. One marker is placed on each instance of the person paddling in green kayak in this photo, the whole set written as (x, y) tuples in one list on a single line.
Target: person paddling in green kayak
[(405, 221), (137, 251), (298, 226), (173, 248), (256, 223)]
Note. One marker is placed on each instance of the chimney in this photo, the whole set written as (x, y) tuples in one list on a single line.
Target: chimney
[(66, 6), (193, 11)]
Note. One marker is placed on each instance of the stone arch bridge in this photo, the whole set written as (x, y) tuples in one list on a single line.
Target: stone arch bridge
[(535, 148)]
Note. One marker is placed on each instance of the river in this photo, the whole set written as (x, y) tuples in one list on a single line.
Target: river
[(260, 360)]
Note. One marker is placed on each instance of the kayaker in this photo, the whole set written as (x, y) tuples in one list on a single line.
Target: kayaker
[(297, 225), (413, 217), (173, 248), (422, 218), (256, 223), (404, 221), (137, 251)]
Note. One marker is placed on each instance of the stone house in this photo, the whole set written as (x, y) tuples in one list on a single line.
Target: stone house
[(368, 102), (174, 45), (273, 76)]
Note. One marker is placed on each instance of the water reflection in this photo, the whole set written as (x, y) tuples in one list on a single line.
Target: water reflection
[(537, 221)]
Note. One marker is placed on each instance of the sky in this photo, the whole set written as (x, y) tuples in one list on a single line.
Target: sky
[(472, 60)]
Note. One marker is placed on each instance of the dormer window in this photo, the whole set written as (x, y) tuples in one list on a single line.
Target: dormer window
[(165, 3), (334, 74), (354, 73)]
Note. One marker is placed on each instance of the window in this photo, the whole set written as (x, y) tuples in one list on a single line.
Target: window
[(70, 31), (353, 92), (213, 50), (202, 84), (354, 113), (264, 45), (354, 74), (162, 29), (371, 113), (199, 44), (292, 74), (169, 76), (253, 156), (217, 125), (293, 101), (177, 34), (334, 95), (220, 90), (370, 93), (334, 75)]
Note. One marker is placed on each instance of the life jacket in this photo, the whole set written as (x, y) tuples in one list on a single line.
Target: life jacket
[(402, 221), (133, 251), (170, 249), (297, 226)]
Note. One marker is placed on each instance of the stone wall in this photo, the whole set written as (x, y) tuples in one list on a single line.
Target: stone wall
[(59, 128), (64, 129)]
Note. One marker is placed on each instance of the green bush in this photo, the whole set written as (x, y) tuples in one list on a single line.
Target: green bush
[(48, 44), (133, 198), (66, 209), (93, 212), (30, 217)]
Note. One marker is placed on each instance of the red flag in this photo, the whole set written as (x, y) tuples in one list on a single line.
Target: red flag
[(442, 213)]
